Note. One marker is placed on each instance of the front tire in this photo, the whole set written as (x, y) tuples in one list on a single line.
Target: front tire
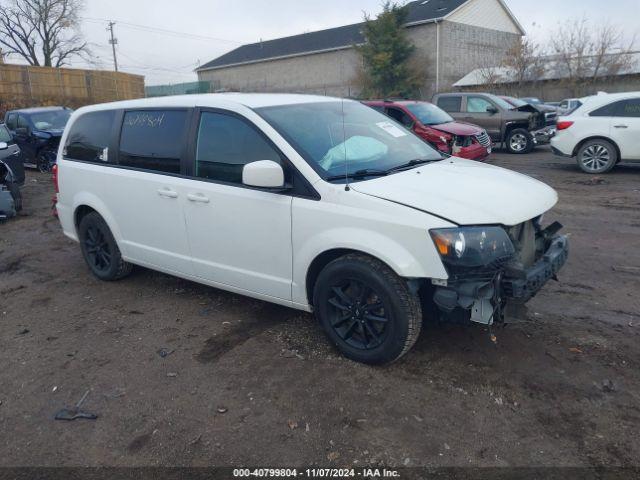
[(597, 156), (367, 310), (14, 189), (100, 250), (519, 141)]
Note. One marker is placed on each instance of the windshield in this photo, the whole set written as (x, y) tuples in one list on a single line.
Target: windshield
[(336, 145), (500, 102), (5, 136), (53, 120), (429, 114), (516, 102)]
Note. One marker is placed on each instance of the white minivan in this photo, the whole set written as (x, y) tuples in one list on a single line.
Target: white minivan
[(315, 203)]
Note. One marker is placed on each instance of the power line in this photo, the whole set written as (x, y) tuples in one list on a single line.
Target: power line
[(163, 31)]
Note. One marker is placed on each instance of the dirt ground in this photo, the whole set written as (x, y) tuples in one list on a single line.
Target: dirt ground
[(247, 383)]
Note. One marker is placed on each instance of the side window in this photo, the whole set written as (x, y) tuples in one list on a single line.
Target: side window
[(23, 122), (629, 108), (450, 104), (377, 108), (88, 139), (12, 121), (153, 140), (606, 111), (478, 105), (226, 144), (400, 116), (564, 104)]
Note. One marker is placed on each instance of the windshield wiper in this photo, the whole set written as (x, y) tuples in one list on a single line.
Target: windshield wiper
[(367, 172), (413, 163)]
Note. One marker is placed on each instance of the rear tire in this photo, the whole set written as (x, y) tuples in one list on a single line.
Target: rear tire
[(367, 310), (100, 250), (519, 141), (597, 156)]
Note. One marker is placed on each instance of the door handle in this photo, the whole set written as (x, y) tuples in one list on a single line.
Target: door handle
[(167, 193), (620, 126), (197, 197)]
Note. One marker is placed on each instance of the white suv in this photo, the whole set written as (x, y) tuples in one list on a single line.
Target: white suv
[(315, 203), (602, 132)]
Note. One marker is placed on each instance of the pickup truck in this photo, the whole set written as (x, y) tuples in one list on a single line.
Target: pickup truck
[(520, 129)]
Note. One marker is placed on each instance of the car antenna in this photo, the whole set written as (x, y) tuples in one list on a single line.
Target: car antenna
[(346, 158)]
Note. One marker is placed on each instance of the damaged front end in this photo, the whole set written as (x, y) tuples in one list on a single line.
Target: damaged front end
[(491, 267)]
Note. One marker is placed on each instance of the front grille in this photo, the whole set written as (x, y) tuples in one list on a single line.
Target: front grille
[(483, 139), (483, 274)]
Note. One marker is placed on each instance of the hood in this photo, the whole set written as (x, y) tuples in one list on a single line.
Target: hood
[(465, 192), (458, 128)]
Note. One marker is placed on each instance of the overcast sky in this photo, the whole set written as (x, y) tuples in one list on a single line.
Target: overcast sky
[(212, 27)]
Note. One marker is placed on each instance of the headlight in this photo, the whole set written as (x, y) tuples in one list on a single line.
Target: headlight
[(472, 246)]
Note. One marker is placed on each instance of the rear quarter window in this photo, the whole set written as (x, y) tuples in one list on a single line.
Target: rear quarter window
[(450, 104), (88, 139), (153, 140)]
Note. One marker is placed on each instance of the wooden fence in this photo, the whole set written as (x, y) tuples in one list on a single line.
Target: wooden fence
[(24, 86)]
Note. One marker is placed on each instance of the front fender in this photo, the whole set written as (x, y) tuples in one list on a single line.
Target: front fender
[(407, 264)]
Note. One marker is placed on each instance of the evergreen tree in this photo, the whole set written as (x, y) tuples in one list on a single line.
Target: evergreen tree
[(387, 53)]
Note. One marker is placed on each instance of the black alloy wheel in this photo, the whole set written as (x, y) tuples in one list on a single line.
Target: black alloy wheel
[(366, 309), (42, 163), (97, 248), (358, 315), (100, 250)]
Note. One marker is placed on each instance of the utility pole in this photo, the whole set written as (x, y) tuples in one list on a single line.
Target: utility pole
[(113, 41)]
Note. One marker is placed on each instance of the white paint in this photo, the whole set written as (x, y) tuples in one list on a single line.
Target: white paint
[(491, 14), (261, 243), (621, 131)]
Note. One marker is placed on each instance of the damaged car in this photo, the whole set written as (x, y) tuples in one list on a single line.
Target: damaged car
[(37, 131), (437, 127), (11, 175), (319, 204), (519, 128)]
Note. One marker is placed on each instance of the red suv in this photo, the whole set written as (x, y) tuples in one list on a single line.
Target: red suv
[(438, 128)]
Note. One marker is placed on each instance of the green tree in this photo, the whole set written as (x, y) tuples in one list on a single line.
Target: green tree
[(389, 68)]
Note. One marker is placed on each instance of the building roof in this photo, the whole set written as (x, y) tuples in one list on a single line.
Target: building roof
[(553, 70), (420, 11)]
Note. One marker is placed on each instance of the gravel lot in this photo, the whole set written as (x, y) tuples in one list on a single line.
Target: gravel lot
[(249, 383)]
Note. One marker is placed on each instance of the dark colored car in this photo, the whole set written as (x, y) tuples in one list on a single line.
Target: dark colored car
[(518, 128), (437, 127), (38, 131), (11, 175)]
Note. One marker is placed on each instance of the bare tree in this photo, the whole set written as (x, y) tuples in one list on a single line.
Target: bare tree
[(488, 78), (42, 32), (524, 63), (585, 54)]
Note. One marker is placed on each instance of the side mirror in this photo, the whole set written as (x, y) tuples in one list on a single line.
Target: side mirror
[(3, 145), (492, 110), (263, 174)]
